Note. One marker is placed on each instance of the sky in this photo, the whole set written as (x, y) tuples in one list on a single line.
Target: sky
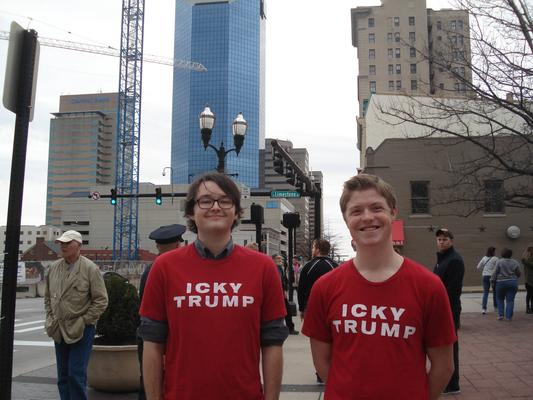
[(311, 87)]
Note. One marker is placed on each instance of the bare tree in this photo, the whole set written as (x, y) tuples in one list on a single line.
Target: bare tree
[(494, 112)]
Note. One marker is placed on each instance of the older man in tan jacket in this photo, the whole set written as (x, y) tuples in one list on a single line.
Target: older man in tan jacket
[(75, 297)]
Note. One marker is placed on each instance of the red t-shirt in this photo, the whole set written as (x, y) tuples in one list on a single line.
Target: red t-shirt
[(379, 331), (214, 310)]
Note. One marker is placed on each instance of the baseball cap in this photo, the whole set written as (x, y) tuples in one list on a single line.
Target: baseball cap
[(69, 236), (444, 232)]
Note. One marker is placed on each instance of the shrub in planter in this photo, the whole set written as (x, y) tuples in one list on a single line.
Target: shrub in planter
[(118, 324)]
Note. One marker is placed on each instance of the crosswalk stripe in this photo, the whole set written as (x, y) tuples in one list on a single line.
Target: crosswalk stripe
[(33, 343), (35, 328), (29, 323)]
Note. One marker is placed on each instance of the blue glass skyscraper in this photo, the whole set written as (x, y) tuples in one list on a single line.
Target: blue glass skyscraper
[(227, 37)]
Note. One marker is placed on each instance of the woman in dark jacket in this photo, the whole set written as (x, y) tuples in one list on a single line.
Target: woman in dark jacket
[(527, 261)]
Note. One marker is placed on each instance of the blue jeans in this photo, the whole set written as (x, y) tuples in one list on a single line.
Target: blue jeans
[(486, 290), (72, 360), (506, 290)]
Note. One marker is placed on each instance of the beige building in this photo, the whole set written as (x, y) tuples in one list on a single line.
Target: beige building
[(82, 148), (29, 234), (404, 48)]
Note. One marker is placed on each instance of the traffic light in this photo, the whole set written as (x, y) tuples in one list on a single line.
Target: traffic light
[(290, 175), (257, 214), (278, 163), (113, 199), (158, 198)]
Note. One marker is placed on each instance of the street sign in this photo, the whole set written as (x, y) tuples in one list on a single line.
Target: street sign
[(95, 195), (286, 194)]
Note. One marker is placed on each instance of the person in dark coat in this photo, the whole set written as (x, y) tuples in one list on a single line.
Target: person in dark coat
[(450, 268), (167, 238)]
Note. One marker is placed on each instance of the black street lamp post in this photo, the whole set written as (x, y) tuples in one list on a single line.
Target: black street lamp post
[(239, 126)]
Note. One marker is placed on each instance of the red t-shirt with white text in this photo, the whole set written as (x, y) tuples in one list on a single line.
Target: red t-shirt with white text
[(214, 310), (379, 332)]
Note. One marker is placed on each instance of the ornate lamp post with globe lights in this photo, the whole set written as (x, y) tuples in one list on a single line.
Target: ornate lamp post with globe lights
[(239, 126)]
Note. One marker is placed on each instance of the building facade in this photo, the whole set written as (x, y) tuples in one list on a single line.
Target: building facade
[(29, 234), (227, 37), (404, 48), (82, 148)]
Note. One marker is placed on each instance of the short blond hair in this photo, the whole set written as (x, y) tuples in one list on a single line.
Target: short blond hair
[(364, 182), (252, 246)]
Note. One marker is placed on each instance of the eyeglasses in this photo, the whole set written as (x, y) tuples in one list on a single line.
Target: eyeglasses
[(206, 203)]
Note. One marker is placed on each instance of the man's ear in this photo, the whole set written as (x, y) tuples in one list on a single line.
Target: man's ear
[(394, 213)]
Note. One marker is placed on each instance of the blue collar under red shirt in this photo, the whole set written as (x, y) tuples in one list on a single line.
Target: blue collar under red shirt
[(206, 253)]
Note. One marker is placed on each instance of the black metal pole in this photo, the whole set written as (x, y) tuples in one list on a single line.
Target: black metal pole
[(258, 234), (291, 242), (318, 210), (14, 212)]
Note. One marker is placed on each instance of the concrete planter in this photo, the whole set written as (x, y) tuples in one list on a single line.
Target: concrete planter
[(114, 369)]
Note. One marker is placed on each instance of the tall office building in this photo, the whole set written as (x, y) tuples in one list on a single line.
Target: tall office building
[(227, 37), (82, 148), (404, 48)]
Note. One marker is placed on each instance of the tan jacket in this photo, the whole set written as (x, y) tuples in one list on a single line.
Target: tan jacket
[(73, 299)]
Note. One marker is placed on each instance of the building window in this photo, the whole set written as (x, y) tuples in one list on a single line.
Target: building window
[(412, 37), (460, 87), (371, 70), (494, 196), (453, 25), (398, 85), (29, 232), (371, 22), (38, 232), (461, 40), (365, 106), (389, 53), (372, 86), (419, 197), (371, 54), (29, 241), (412, 68), (411, 21), (439, 25), (412, 52), (391, 86), (371, 38), (397, 53), (414, 84), (459, 25), (439, 38), (396, 21), (389, 37), (397, 37), (398, 69), (391, 69), (441, 86)]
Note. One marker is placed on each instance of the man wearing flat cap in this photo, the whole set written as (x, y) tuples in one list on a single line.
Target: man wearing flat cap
[(451, 269), (75, 297), (167, 238)]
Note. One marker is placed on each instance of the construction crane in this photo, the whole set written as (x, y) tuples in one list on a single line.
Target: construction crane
[(111, 51), (125, 232)]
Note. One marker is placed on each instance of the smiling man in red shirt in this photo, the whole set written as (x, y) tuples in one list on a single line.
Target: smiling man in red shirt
[(213, 311), (373, 320)]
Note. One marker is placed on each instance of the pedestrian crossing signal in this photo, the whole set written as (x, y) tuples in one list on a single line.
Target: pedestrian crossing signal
[(158, 198)]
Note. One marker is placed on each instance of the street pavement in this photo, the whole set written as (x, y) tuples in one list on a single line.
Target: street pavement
[(496, 361)]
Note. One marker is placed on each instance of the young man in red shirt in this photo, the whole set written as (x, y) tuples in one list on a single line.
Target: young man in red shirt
[(373, 320), (213, 311)]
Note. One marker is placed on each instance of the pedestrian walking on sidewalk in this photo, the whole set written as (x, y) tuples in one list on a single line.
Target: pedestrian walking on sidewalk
[(488, 265), (373, 320), (75, 297), (212, 311), (527, 261), (506, 277), (450, 268), (280, 265)]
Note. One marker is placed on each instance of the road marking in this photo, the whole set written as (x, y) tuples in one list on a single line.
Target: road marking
[(35, 328), (29, 323), (33, 343)]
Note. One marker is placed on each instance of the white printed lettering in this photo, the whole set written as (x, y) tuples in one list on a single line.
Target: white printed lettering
[(195, 301), (246, 300), (397, 313), (409, 330), (228, 301), (210, 304), (390, 331), (219, 287), (189, 288), (202, 287), (350, 325), (336, 324), (365, 330), (178, 300), (356, 313), (378, 311), (235, 287), (344, 310)]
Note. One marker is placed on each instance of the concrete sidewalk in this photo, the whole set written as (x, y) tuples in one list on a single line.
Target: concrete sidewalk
[(496, 362)]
